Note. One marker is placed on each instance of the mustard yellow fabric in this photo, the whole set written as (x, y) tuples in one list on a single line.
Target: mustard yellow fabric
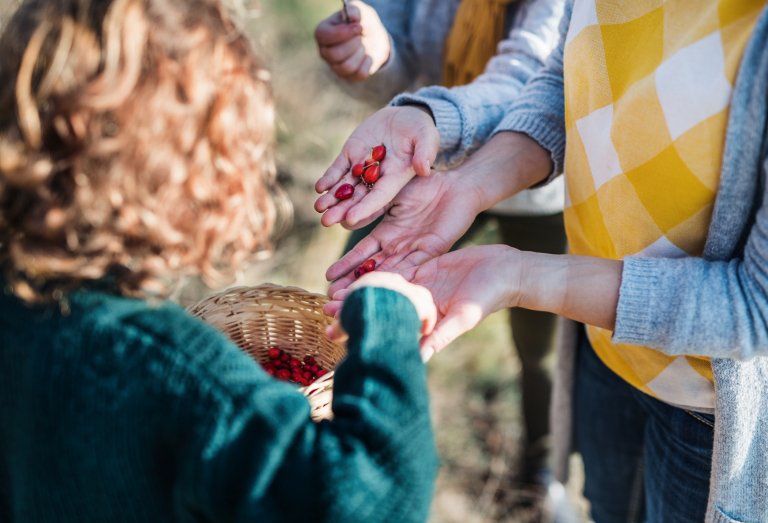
[(647, 95), (477, 29)]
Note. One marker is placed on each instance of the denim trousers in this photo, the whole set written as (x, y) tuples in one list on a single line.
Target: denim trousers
[(644, 460)]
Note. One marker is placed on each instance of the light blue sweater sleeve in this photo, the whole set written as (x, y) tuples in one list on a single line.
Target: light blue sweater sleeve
[(465, 116), (539, 110)]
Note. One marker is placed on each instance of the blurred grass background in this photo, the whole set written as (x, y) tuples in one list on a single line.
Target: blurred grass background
[(474, 383)]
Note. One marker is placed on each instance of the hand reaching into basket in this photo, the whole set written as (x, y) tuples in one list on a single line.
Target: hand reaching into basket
[(412, 143), (419, 297), (425, 220)]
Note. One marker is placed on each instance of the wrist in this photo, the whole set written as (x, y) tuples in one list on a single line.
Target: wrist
[(543, 281), (507, 164)]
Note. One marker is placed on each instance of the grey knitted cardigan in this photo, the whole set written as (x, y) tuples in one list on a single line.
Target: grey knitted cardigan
[(716, 305)]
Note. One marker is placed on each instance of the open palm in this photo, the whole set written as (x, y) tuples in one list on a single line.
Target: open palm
[(425, 220), (412, 143), (467, 285)]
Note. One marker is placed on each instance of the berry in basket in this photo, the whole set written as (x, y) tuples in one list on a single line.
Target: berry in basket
[(302, 372)]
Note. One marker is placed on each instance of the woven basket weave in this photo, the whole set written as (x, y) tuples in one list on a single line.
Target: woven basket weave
[(257, 318)]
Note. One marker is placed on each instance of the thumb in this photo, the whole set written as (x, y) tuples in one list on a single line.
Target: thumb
[(459, 319), (425, 151)]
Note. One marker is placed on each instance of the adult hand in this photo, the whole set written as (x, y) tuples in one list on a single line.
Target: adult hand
[(355, 49), (425, 220), (419, 297), (468, 285), (412, 142)]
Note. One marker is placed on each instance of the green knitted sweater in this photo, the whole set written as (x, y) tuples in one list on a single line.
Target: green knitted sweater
[(120, 411)]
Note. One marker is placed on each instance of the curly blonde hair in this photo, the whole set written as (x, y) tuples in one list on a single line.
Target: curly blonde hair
[(135, 146)]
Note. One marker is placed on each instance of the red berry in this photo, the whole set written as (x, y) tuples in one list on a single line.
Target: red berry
[(284, 356), (368, 265), (314, 368), (379, 152), (368, 162), (371, 174), (273, 353), (345, 192), (295, 362), (283, 374), (358, 169), (321, 373), (309, 360), (359, 272)]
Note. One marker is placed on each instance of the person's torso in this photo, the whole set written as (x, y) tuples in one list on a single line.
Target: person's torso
[(647, 94)]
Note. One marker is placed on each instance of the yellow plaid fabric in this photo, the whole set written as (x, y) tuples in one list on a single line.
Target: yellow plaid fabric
[(647, 90)]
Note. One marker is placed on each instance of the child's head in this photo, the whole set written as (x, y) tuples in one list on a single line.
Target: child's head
[(135, 145)]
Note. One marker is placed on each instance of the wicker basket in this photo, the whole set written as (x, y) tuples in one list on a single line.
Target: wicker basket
[(257, 318)]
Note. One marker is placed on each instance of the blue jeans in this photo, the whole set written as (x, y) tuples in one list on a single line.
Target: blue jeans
[(644, 460)]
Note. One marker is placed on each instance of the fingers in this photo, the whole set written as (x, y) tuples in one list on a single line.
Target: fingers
[(353, 148), (458, 320), (337, 54), (337, 209), (335, 332), (426, 148), (349, 67), (333, 31), (364, 249), (383, 192), (364, 223), (332, 308)]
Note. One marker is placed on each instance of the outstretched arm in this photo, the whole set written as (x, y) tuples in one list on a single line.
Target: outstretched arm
[(375, 461), (420, 142)]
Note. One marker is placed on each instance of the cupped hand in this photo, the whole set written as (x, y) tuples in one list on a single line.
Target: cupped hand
[(419, 297), (355, 48), (412, 143), (468, 285), (425, 220)]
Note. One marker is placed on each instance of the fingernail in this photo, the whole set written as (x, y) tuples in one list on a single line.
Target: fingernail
[(427, 353)]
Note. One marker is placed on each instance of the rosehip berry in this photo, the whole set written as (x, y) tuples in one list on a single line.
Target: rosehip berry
[(371, 174), (365, 267), (273, 353), (284, 356), (358, 169), (295, 362), (283, 374), (368, 162), (379, 152), (309, 360), (368, 265), (345, 192), (321, 373)]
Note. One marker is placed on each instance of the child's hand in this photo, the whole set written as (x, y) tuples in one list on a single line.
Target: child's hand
[(357, 48), (419, 297), (412, 142)]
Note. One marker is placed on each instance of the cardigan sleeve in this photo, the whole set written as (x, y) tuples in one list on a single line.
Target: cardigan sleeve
[(397, 74), (539, 110), (265, 460), (716, 305), (465, 116)]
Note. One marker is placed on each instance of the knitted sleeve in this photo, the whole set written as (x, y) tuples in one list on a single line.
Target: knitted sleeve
[(716, 305), (265, 460), (467, 115), (539, 110)]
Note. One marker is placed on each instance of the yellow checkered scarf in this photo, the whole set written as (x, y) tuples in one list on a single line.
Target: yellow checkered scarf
[(477, 28)]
